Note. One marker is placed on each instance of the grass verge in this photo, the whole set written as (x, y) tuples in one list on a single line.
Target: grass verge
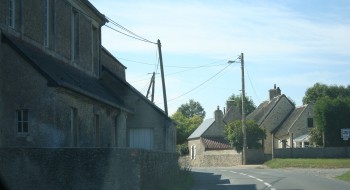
[(345, 177), (312, 163), (308, 163)]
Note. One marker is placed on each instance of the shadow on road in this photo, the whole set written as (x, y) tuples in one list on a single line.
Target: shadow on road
[(209, 181)]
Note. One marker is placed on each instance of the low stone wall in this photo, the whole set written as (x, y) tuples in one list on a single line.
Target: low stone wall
[(327, 152), (224, 160), (84, 168)]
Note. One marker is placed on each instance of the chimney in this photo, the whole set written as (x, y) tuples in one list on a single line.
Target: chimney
[(218, 115), (274, 92)]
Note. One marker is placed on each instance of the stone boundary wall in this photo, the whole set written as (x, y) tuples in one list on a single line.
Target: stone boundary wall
[(255, 156), (85, 168), (327, 152)]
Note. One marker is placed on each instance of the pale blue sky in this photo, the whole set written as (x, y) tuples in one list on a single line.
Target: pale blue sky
[(293, 44)]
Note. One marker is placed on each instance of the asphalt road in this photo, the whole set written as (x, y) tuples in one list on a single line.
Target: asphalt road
[(261, 178)]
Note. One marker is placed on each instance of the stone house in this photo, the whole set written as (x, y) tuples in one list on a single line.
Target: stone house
[(60, 88), (294, 132), (282, 121), (207, 144)]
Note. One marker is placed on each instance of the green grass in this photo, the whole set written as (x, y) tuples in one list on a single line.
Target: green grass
[(344, 177), (312, 163), (308, 163)]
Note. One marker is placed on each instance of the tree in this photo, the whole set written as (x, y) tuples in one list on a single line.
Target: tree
[(234, 134), (331, 115), (248, 102), (191, 109), (331, 112), (321, 90)]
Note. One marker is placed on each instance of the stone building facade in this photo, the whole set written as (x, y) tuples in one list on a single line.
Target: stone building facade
[(207, 144), (60, 88), (282, 121)]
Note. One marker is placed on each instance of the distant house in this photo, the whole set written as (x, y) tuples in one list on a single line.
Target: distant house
[(282, 121), (286, 126), (207, 144), (60, 88), (296, 128)]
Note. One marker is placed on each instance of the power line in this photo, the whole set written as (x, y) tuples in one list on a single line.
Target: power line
[(135, 36), (201, 84), (251, 84)]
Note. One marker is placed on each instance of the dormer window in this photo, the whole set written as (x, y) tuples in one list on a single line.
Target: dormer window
[(11, 13)]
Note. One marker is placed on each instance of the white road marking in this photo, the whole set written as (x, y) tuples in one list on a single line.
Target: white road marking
[(265, 183)]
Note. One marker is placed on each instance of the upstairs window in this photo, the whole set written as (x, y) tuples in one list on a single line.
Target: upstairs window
[(310, 122), (11, 13), (95, 50), (75, 36), (22, 122), (49, 19)]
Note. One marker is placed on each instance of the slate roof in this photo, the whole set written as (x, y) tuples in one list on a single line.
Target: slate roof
[(201, 128), (216, 144), (263, 110), (61, 74), (289, 123)]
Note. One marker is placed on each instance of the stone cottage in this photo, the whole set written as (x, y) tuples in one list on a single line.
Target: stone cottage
[(282, 121), (207, 144), (60, 88), (286, 126)]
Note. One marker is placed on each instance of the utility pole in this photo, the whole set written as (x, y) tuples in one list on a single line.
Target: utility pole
[(151, 84), (243, 114), (162, 75)]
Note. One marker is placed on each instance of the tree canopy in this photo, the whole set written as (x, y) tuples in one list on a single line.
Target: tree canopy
[(185, 126), (331, 116), (234, 134), (191, 109), (321, 90), (248, 103), (331, 112)]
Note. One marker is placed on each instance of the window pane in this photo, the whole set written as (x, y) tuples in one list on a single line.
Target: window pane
[(19, 115), (25, 127), (25, 115), (19, 127)]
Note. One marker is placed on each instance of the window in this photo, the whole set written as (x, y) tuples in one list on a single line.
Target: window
[(97, 130), (22, 122), (193, 152), (116, 131), (11, 13), (49, 19), (75, 36), (141, 138), (310, 122), (95, 48), (74, 127)]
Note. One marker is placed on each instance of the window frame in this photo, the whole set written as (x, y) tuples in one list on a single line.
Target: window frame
[(22, 122), (75, 42), (11, 13)]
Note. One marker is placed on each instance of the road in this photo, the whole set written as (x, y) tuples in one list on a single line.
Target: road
[(261, 178)]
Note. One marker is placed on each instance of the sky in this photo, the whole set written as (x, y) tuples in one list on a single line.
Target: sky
[(291, 43)]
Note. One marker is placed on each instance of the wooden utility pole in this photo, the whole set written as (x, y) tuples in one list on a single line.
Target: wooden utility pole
[(162, 75), (243, 114), (151, 84)]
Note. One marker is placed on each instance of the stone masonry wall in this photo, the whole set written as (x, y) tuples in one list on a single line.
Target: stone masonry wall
[(84, 168)]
